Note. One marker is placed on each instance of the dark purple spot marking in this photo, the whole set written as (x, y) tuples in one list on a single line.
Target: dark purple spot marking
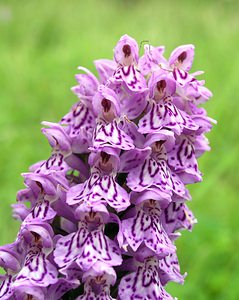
[(126, 50), (182, 57)]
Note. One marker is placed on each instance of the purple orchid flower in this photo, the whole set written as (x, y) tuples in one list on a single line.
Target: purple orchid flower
[(126, 51), (144, 282), (152, 59), (182, 57), (109, 202)]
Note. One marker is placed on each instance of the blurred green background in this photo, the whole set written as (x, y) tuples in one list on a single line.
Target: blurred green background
[(41, 45)]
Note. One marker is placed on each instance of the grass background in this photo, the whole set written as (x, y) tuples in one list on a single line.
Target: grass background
[(42, 43)]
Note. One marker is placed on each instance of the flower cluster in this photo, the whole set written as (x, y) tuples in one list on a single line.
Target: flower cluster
[(106, 206)]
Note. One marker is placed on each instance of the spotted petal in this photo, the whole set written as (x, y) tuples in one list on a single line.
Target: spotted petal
[(146, 227), (144, 283), (99, 188), (165, 115), (37, 269), (182, 77), (178, 187), (42, 211), (86, 248), (177, 216), (80, 115), (148, 173), (170, 270), (6, 287), (183, 158), (81, 122), (55, 163), (131, 77), (111, 135)]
